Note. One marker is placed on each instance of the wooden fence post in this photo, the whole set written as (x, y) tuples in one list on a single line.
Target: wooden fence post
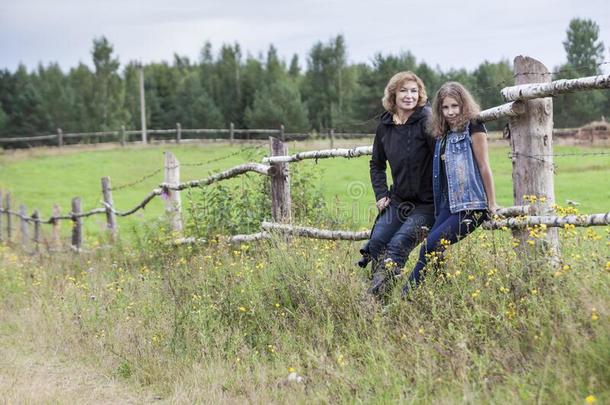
[(172, 201), (142, 107), (77, 225), (9, 219), (25, 227), (111, 226), (178, 132), (280, 184), (231, 133), (531, 140), (60, 137), (282, 133), (331, 135), (36, 219), (122, 135), (55, 230)]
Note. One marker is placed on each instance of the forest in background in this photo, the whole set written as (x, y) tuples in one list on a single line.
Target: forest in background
[(226, 86)]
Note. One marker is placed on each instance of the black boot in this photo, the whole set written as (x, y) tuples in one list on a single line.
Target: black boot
[(385, 274)]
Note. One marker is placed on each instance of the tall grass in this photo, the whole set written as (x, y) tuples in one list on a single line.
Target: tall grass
[(224, 323)]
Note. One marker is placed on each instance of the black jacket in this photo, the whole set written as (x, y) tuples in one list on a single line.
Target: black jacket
[(409, 150)]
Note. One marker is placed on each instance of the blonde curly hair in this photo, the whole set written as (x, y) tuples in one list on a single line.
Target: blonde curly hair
[(438, 125), (389, 94)]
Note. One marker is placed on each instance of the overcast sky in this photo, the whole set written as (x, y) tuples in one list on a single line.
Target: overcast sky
[(448, 34)]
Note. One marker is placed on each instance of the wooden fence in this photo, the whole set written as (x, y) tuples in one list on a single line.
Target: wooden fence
[(124, 136), (529, 112), (177, 135)]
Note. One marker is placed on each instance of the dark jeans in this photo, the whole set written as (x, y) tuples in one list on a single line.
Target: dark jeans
[(450, 227), (398, 230)]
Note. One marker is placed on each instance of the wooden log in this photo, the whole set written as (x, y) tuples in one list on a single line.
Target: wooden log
[(280, 184), (526, 90), (156, 192), (55, 230), (231, 133), (257, 131), (236, 239), (205, 131), (550, 221), (172, 197), (517, 210), (531, 135), (178, 132), (512, 109), (77, 225), (25, 227), (9, 224), (60, 137), (36, 220), (321, 154), (248, 238), (90, 134), (27, 138), (235, 171), (314, 232), (111, 226)]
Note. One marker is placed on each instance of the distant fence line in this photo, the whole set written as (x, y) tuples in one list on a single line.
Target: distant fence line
[(529, 123)]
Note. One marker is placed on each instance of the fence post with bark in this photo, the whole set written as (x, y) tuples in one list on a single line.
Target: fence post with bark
[(172, 197), (77, 225), (111, 226), (531, 141), (280, 183)]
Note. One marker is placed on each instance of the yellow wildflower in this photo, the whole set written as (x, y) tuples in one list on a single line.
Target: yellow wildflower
[(591, 399)]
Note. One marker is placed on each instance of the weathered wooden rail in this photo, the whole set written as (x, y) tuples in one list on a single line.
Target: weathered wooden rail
[(529, 111)]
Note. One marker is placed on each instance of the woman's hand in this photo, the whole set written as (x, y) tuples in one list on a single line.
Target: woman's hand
[(382, 203), (493, 210)]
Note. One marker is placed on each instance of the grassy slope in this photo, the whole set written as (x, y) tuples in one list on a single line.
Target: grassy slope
[(227, 324)]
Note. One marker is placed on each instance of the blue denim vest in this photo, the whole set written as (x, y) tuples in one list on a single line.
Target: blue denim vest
[(464, 181)]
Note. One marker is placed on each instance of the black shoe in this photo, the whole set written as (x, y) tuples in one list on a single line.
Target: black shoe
[(378, 283), (384, 278)]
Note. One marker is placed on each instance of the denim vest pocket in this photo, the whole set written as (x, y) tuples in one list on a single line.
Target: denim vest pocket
[(459, 143)]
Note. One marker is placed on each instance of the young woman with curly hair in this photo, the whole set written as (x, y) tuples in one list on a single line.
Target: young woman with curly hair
[(463, 186)]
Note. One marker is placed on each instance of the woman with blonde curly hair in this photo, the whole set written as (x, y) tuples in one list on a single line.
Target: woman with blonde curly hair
[(462, 180), (405, 208)]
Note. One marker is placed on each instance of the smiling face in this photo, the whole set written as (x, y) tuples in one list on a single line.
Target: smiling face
[(407, 96), (451, 110)]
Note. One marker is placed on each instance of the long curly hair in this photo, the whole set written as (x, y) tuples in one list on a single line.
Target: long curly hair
[(469, 109), (389, 94)]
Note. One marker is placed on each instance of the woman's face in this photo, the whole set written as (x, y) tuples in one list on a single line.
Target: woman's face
[(451, 109), (407, 96)]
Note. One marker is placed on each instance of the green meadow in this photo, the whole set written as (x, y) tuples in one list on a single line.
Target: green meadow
[(43, 177), (289, 321)]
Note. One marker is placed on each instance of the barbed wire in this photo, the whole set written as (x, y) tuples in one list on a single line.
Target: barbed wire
[(140, 180), (205, 163), (560, 154), (540, 157)]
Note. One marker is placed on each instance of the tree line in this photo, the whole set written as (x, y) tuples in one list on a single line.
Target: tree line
[(225, 86)]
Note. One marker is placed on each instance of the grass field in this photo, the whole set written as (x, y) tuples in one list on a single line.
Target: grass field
[(40, 178), (290, 321)]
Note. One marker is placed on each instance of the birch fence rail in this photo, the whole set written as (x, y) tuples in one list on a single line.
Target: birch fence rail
[(529, 113)]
